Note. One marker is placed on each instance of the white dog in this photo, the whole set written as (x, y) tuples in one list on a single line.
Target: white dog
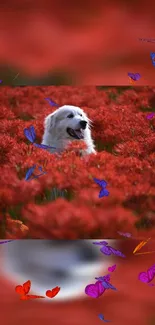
[(66, 124)]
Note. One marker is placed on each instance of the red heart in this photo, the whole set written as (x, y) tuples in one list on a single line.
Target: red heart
[(52, 293)]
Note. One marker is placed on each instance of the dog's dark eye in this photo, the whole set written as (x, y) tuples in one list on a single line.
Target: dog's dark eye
[(70, 115)]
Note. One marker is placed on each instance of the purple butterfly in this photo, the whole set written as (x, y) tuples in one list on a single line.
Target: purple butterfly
[(51, 102), (134, 76), (108, 250), (31, 136), (103, 184), (150, 116), (125, 234), (102, 318), (112, 268), (148, 276), (94, 290), (117, 252), (100, 243)]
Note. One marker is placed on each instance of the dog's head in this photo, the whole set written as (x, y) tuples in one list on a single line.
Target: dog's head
[(68, 122)]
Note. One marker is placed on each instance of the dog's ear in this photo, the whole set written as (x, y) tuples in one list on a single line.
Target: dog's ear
[(50, 121)]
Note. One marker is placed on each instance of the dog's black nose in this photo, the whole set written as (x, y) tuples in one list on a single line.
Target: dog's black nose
[(83, 124)]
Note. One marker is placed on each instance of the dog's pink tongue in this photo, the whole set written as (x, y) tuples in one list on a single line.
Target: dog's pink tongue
[(79, 134)]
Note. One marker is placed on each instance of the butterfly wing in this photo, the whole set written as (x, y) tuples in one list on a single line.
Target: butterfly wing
[(43, 146), (106, 192), (28, 297), (100, 182), (125, 234), (24, 289), (152, 54), (116, 252), (132, 76), (100, 243), (51, 102), (105, 250), (111, 286), (103, 193), (97, 181), (105, 284), (138, 76), (29, 172), (52, 293), (107, 321), (143, 277), (103, 183), (107, 277), (150, 116), (30, 133), (37, 176), (20, 290), (101, 316), (151, 273), (27, 286), (4, 242)]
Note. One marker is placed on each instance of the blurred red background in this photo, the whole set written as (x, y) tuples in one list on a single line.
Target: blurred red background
[(90, 42), (133, 303)]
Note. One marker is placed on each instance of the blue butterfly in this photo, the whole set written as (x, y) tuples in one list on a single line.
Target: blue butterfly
[(31, 136), (51, 102), (30, 171), (103, 184), (152, 54), (102, 318), (43, 146), (30, 133)]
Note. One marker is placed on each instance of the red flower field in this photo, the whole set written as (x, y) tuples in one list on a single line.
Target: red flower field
[(125, 144)]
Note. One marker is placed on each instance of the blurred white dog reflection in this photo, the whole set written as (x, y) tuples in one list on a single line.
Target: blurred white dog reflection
[(66, 124), (71, 265)]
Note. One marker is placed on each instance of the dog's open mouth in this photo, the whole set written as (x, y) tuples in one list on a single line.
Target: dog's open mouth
[(77, 134)]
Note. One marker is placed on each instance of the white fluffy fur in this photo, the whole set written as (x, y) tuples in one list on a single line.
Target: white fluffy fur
[(56, 124)]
